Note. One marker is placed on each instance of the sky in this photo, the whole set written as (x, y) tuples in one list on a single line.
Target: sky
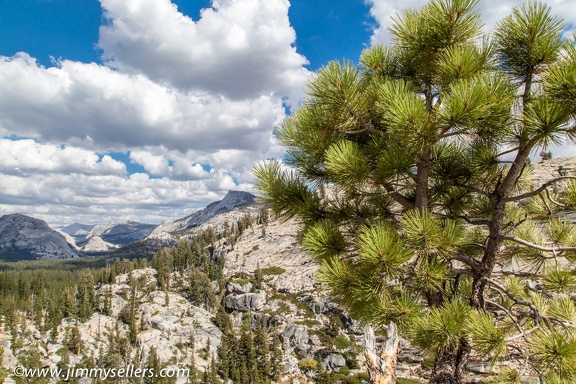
[(148, 110)]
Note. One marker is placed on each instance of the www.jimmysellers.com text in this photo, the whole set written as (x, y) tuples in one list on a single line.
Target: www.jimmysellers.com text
[(129, 371)]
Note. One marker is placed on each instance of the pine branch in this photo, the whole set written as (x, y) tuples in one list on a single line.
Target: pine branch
[(470, 220), (515, 299), (508, 151), (548, 210), (512, 226), (398, 197), (554, 201), (542, 188), (466, 260), (473, 189), (522, 334), (516, 324), (538, 247), (368, 125)]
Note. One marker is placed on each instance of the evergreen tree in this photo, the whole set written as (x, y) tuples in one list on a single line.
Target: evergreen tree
[(192, 373), (401, 181), (200, 291), (85, 295), (73, 340), (163, 263)]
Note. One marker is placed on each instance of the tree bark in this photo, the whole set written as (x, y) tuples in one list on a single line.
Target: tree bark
[(498, 201), (449, 365), (381, 367)]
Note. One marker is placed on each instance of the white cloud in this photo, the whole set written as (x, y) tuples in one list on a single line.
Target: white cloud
[(97, 199), (29, 156), (238, 48), (175, 165), (94, 106), (198, 140)]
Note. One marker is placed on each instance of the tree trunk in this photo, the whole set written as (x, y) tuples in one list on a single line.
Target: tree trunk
[(498, 202), (382, 368), (449, 365), (422, 181)]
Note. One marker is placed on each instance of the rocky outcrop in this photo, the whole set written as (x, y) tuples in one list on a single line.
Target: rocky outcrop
[(247, 302), (77, 230), (122, 233), (546, 170), (232, 201), (24, 237), (234, 287), (97, 244), (333, 362), (299, 337)]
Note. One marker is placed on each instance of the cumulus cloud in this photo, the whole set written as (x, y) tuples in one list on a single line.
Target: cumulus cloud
[(193, 102), (170, 164), (97, 199), (239, 48), (95, 106), (29, 156)]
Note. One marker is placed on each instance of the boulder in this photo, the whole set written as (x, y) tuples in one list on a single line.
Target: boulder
[(297, 336), (246, 302), (333, 362), (239, 288)]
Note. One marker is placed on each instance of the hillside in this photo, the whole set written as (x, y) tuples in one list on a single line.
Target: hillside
[(238, 272), (24, 237)]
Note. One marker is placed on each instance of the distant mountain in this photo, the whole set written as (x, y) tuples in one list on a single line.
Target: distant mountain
[(122, 233), (24, 237), (232, 200), (77, 230), (97, 245), (168, 233)]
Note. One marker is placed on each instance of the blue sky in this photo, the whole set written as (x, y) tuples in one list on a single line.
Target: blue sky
[(115, 110), (46, 29)]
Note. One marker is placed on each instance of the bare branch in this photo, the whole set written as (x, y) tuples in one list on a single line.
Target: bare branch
[(522, 334), (539, 247), (515, 299), (542, 188), (518, 327), (508, 151), (470, 220), (545, 203), (513, 226), (398, 197), (465, 259), (554, 201)]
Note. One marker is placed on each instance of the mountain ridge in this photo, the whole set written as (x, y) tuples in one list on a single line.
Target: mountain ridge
[(23, 237)]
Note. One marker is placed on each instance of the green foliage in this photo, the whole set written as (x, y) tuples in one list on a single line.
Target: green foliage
[(342, 342), (487, 337), (569, 193), (560, 281), (554, 354), (251, 355), (530, 25), (308, 365), (270, 271), (441, 328)]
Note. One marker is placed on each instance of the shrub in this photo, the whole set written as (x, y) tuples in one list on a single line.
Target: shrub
[(272, 271), (308, 365)]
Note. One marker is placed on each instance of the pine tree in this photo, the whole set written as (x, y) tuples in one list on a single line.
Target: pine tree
[(85, 295), (73, 340), (401, 180)]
